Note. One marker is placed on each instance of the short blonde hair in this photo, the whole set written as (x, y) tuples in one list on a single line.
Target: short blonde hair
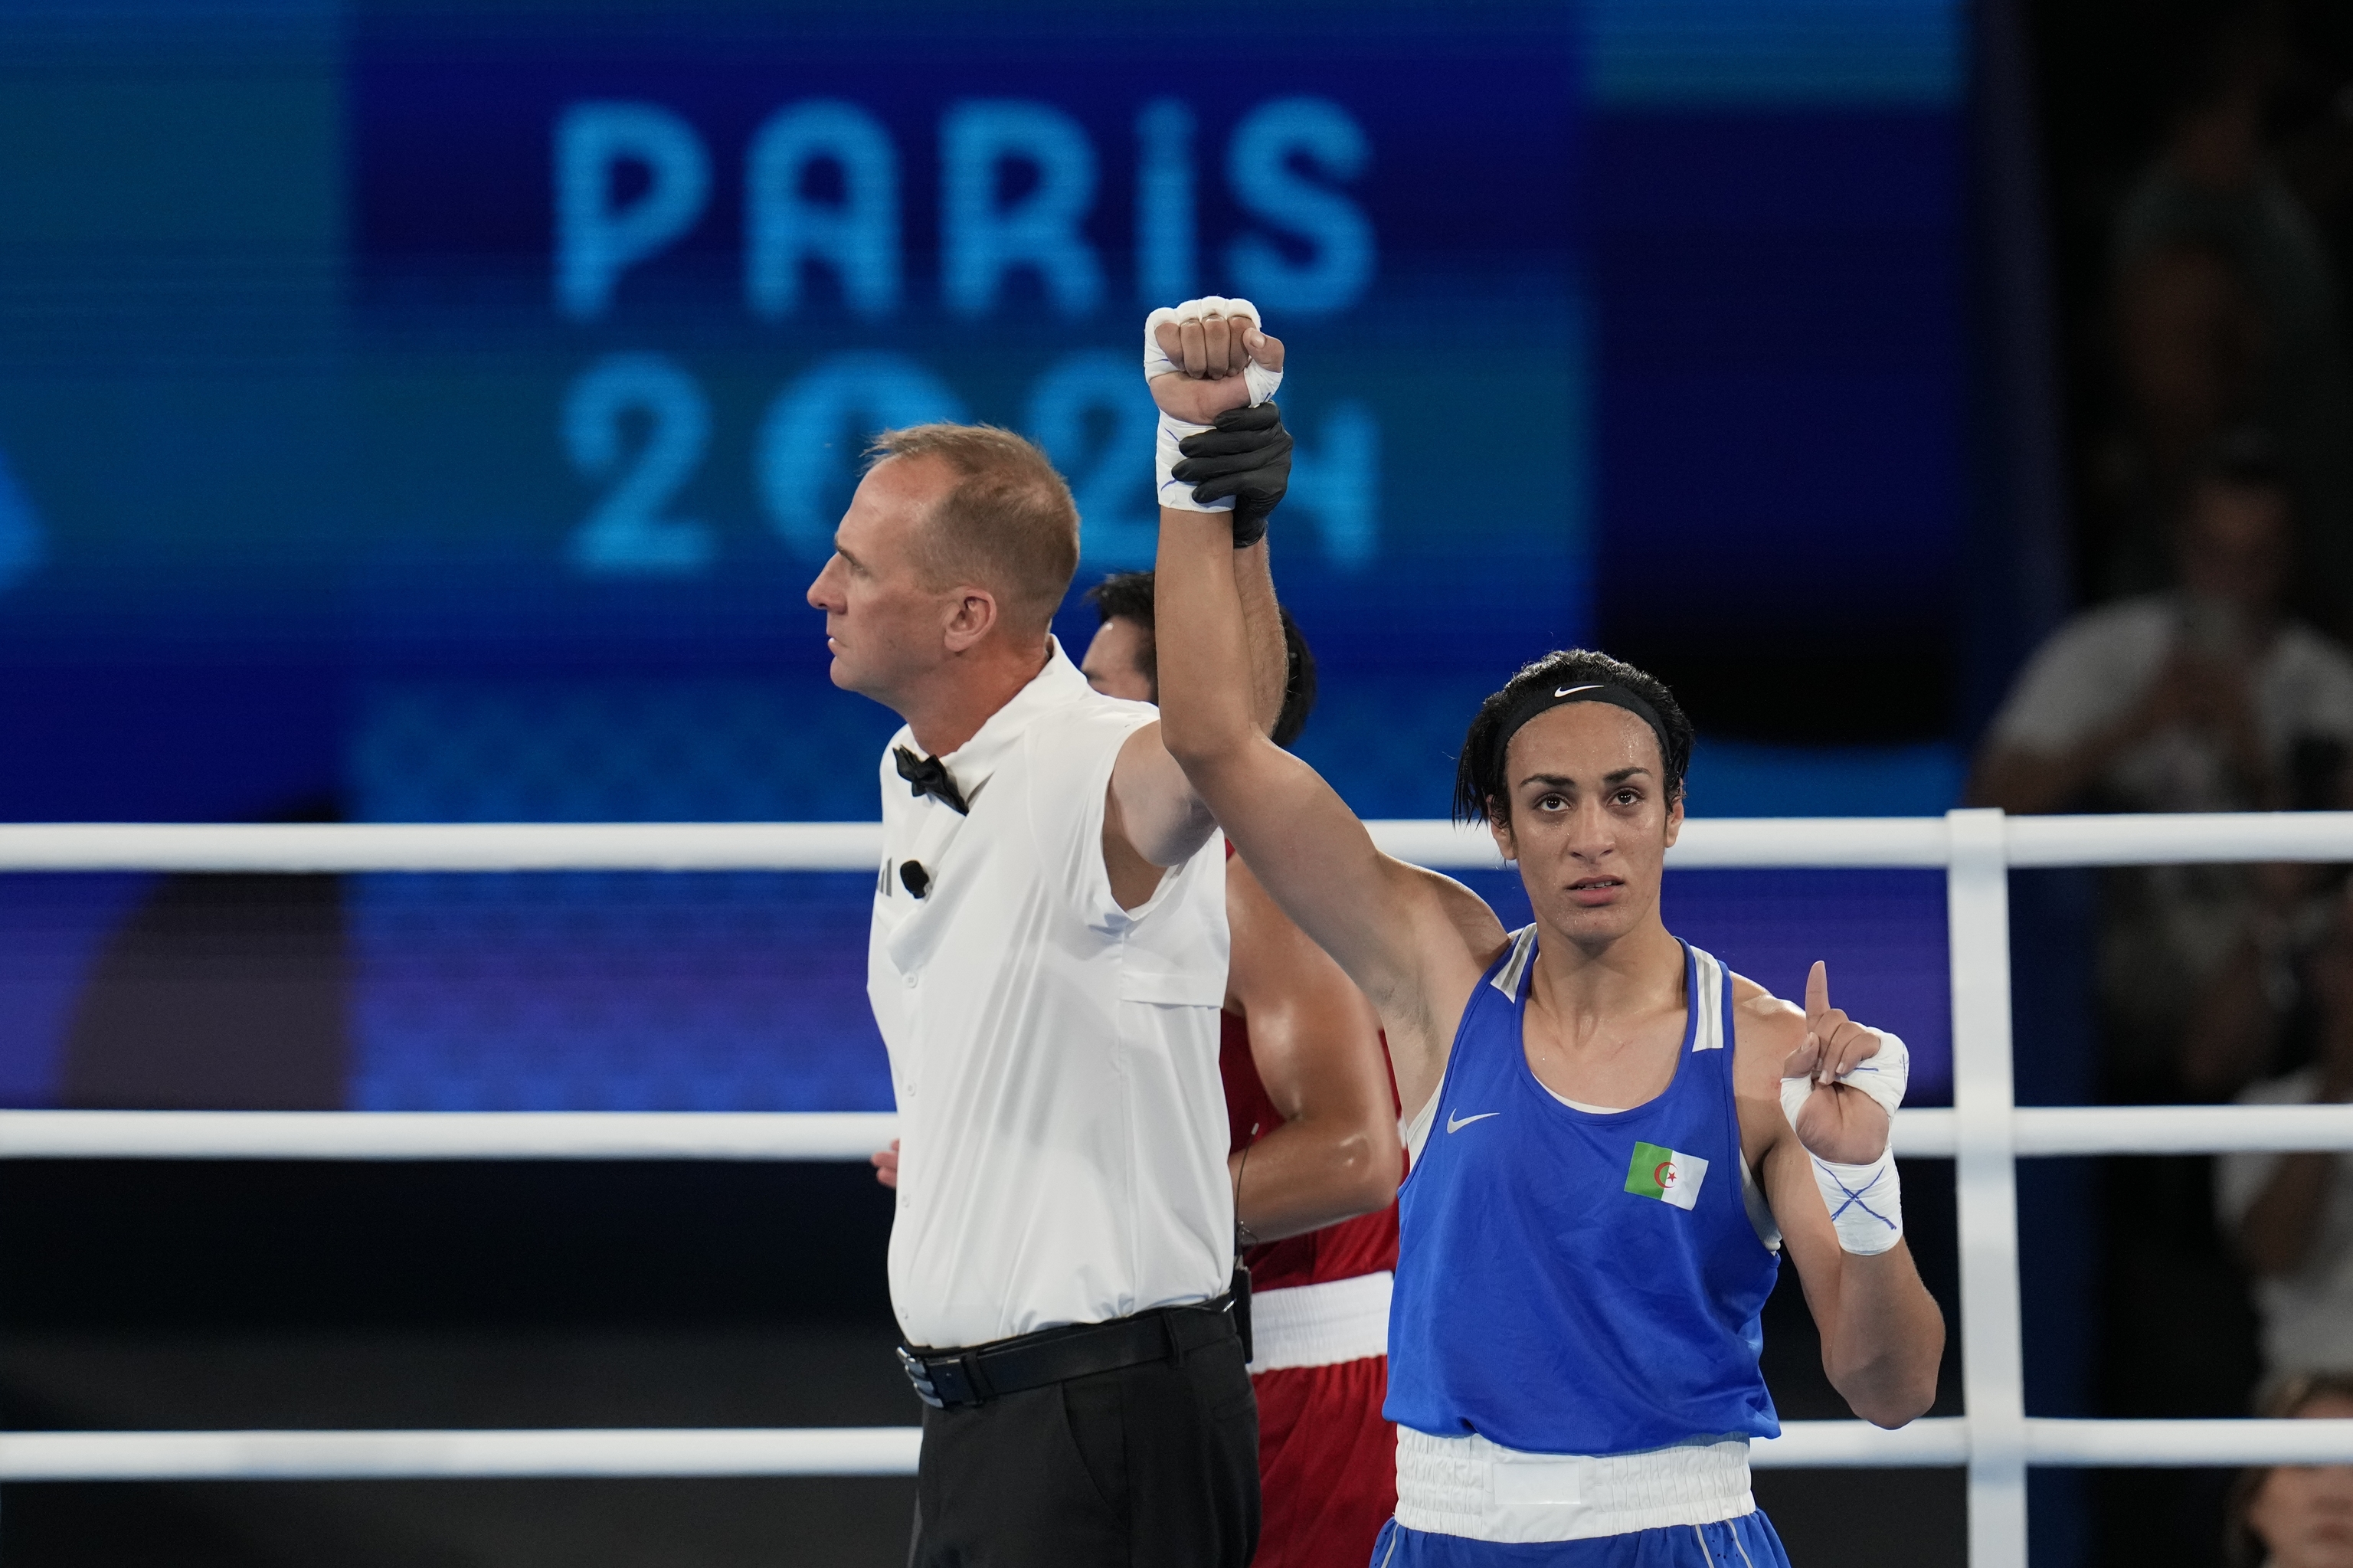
[(1007, 523)]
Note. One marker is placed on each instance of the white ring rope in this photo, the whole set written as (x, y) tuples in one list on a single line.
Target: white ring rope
[(2044, 1131), (407, 1456), (1762, 842), (441, 846), (443, 1135), (1986, 1135), (1936, 1442), (1921, 1133)]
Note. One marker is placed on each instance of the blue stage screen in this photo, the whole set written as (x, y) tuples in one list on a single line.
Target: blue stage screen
[(423, 411)]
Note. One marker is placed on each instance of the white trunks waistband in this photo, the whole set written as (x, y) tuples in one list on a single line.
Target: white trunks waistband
[(1483, 1492), (1320, 1325)]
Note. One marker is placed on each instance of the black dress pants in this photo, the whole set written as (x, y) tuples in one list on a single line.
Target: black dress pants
[(1148, 1466)]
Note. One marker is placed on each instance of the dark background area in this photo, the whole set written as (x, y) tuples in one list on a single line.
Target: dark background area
[(2153, 1320)]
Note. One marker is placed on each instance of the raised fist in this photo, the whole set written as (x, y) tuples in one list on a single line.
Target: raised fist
[(1198, 357)]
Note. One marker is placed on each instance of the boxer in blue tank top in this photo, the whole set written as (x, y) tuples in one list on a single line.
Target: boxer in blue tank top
[(1614, 1138)]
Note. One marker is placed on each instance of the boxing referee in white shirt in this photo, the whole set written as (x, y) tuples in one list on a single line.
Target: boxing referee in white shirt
[(1047, 964)]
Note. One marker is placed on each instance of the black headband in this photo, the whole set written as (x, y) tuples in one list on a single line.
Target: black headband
[(1543, 699)]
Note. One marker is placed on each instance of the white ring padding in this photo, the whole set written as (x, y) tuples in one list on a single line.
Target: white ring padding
[(441, 846), (1795, 842), (2049, 1131), (1944, 1441), (2182, 837), (1935, 1442), (423, 1455), (2181, 1130), (1931, 1442), (1921, 1133), (2188, 1443), (1787, 842), (444, 1135)]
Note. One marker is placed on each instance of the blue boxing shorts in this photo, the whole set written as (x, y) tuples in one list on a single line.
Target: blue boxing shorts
[(1748, 1541)]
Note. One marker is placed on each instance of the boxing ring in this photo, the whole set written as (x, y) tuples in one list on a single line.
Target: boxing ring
[(1985, 1133)]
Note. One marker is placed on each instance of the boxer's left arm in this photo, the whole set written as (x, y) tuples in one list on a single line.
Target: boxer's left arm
[(1316, 1044), (1883, 1334)]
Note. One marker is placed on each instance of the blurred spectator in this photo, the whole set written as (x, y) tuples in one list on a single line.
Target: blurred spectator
[(2200, 699), (2226, 316), (2205, 698), (2296, 1516), (2189, 340), (2293, 1213)]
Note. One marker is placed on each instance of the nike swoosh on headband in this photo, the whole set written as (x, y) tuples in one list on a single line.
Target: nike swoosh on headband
[(1570, 692), (1455, 1124)]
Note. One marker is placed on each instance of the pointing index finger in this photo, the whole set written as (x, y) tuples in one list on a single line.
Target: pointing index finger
[(1818, 990)]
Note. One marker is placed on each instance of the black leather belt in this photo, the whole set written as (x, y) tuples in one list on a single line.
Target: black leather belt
[(946, 1379)]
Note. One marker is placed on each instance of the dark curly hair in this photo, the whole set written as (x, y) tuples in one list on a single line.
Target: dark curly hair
[(1128, 596), (1479, 777)]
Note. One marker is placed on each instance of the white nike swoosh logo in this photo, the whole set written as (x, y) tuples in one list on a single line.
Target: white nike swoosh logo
[(1455, 1124), (1563, 691)]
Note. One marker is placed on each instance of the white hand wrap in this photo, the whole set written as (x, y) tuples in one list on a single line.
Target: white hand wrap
[(1865, 1202), (1260, 382)]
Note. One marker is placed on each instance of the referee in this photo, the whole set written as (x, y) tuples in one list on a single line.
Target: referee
[(1047, 963)]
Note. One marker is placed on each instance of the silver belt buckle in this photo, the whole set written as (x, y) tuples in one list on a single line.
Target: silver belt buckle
[(919, 1374)]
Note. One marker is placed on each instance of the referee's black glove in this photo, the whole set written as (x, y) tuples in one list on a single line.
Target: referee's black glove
[(1248, 457)]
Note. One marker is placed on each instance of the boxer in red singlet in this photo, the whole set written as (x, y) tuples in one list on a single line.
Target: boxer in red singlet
[(1313, 1117), (1315, 1162)]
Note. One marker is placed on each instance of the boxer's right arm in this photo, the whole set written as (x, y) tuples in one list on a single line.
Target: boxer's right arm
[(1392, 927)]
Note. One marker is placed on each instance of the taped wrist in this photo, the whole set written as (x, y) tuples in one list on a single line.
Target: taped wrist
[(1249, 522), (1865, 1202), (1167, 454)]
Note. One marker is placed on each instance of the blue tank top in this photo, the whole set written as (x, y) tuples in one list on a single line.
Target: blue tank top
[(1575, 1283)]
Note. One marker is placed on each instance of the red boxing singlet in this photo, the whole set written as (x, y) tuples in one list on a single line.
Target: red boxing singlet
[(1365, 1245), (1327, 1460)]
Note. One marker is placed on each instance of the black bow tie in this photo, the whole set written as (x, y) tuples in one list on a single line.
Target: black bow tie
[(929, 775)]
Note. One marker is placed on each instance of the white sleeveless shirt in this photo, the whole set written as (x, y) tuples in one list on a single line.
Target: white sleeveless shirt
[(1062, 1124)]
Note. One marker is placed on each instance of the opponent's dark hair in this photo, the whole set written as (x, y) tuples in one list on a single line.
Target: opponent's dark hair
[(1481, 786), (1123, 595), (1298, 683), (1127, 596)]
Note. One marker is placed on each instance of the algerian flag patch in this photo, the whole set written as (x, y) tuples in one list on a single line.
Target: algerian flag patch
[(1666, 1175)]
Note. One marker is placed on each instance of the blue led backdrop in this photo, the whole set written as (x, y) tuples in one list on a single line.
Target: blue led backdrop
[(432, 411)]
